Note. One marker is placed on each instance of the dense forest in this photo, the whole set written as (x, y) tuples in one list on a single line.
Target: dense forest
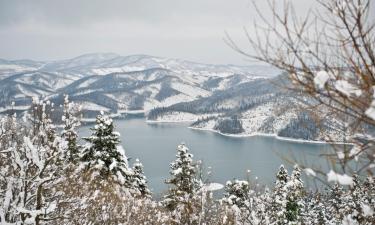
[(230, 125), (303, 127)]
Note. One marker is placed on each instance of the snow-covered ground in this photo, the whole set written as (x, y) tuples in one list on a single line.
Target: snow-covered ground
[(93, 107), (177, 117), (247, 134)]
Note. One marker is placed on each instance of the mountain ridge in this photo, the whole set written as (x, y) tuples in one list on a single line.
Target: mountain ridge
[(231, 99)]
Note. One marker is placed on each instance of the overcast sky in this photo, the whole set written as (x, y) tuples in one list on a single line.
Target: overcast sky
[(188, 29)]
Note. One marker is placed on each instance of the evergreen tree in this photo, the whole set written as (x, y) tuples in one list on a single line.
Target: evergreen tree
[(139, 180), (279, 202), (336, 203), (69, 133), (238, 198), (315, 210), (104, 152), (237, 193), (182, 198), (282, 176), (355, 201), (184, 179), (294, 189), (262, 207)]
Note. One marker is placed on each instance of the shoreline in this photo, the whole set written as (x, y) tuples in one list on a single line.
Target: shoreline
[(169, 121), (295, 140)]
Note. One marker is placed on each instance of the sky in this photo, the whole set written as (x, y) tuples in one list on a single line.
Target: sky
[(186, 29)]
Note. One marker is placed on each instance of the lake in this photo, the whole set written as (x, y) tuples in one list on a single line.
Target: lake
[(154, 144)]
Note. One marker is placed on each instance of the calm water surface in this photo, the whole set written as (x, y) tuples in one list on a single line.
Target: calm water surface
[(228, 157)]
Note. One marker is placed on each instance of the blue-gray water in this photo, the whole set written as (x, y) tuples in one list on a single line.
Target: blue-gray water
[(228, 157)]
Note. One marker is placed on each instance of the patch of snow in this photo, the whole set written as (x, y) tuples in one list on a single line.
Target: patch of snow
[(177, 171), (348, 220), (370, 112), (83, 92), (310, 172), (367, 210), (342, 179), (175, 99), (212, 187), (321, 79), (347, 88), (254, 118), (340, 155)]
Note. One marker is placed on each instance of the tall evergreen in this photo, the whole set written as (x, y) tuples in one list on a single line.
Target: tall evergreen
[(184, 181), (104, 152), (336, 203), (278, 204), (139, 180), (294, 190), (237, 193)]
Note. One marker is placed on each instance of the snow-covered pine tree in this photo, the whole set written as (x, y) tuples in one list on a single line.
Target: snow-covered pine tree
[(104, 153), (368, 198), (314, 209), (237, 193), (336, 204), (261, 207), (69, 133), (101, 186), (139, 180), (237, 198), (357, 204), (182, 198), (279, 201), (282, 176), (294, 190), (184, 182)]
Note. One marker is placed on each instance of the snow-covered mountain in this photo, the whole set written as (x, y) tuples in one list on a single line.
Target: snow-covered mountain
[(260, 106), (241, 100), (114, 83)]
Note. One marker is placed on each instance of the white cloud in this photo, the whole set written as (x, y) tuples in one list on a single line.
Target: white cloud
[(44, 29)]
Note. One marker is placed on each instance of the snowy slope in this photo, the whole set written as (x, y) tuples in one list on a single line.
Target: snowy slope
[(260, 107), (10, 67), (114, 83)]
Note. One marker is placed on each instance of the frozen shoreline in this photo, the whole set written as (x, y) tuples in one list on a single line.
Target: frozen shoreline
[(246, 135), (169, 121), (268, 135)]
